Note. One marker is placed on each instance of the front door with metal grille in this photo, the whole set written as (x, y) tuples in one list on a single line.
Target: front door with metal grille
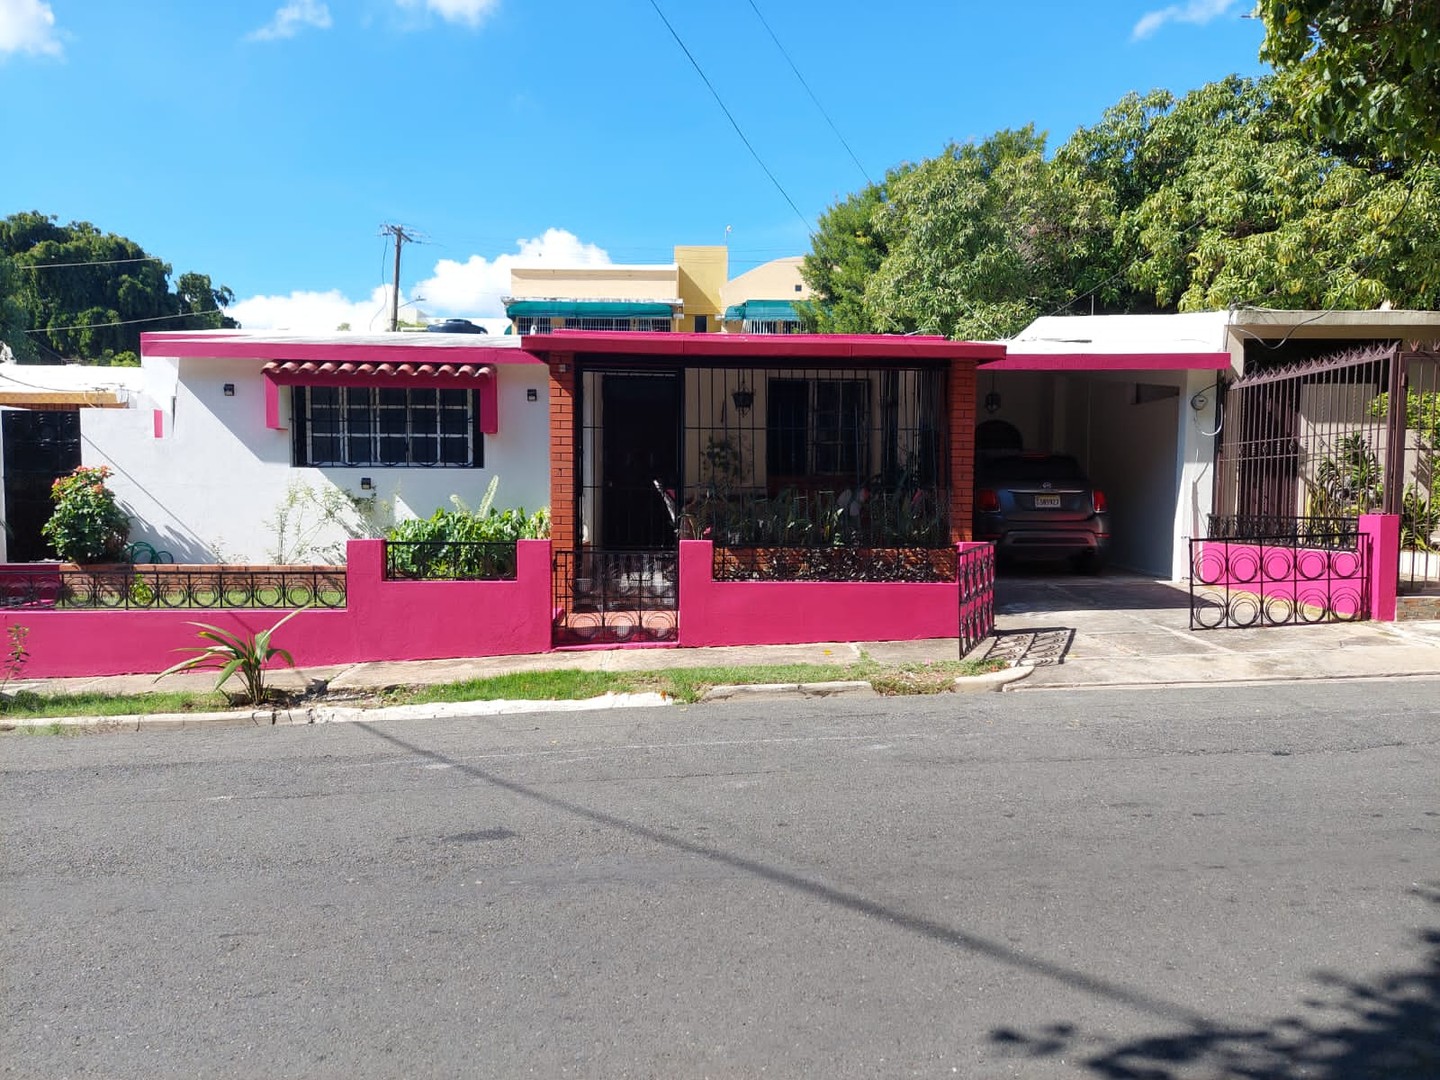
[(39, 448), (622, 585)]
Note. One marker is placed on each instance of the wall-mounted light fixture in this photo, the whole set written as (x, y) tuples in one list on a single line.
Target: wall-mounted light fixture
[(229, 389), (531, 394), (365, 484), (743, 397)]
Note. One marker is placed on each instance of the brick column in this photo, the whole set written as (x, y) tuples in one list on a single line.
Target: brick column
[(564, 434), (961, 416)]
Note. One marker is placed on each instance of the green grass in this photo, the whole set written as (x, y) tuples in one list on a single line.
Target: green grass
[(689, 684), (31, 705), (686, 685)]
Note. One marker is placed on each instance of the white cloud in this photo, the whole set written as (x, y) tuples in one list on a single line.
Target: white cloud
[(470, 12), (1196, 12), (28, 26), (291, 19), (470, 289)]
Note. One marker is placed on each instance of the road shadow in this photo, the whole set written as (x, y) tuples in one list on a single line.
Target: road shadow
[(1038, 646), (1386, 1028)]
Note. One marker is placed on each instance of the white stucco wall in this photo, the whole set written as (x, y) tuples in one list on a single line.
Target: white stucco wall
[(211, 487)]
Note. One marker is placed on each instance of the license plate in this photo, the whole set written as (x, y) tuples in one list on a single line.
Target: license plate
[(1047, 502)]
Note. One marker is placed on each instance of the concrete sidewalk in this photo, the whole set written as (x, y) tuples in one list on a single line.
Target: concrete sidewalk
[(1078, 632)]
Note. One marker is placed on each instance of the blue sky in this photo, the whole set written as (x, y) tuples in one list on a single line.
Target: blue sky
[(265, 142)]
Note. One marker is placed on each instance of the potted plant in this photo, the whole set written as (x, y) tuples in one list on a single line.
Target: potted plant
[(87, 525)]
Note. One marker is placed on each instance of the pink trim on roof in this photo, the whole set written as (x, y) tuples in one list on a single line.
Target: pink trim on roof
[(757, 346), (1151, 361), (177, 344)]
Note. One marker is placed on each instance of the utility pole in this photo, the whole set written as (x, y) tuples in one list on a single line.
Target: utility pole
[(401, 237)]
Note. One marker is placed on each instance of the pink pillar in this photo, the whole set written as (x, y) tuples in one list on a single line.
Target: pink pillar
[(1383, 531)]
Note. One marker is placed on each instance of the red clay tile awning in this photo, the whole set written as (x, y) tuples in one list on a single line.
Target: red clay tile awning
[(403, 376), (350, 373)]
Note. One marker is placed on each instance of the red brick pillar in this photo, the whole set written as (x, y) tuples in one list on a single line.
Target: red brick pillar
[(961, 413), (564, 435)]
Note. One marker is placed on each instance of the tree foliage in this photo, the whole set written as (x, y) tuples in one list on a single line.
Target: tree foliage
[(1222, 197), (1351, 65), (93, 294)]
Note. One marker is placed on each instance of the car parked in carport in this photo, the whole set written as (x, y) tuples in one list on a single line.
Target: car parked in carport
[(1041, 506)]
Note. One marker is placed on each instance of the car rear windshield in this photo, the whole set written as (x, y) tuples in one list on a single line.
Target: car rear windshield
[(1025, 468)]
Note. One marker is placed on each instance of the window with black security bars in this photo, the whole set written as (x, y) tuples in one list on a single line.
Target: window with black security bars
[(792, 456), (356, 426)]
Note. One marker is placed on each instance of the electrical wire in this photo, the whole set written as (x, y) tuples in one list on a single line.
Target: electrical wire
[(733, 123), (813, 98), (121, 322), (91, 262)]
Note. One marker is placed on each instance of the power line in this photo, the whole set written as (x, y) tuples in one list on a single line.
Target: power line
[(719, 101), (122, 322), (813, 98), (90, 262)]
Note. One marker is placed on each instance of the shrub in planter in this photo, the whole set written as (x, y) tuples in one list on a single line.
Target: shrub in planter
[(88, 525)]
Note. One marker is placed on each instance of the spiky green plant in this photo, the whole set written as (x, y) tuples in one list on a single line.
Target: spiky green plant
[(236, 653)]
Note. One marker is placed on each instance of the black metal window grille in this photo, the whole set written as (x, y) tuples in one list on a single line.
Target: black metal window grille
[(386, 426), (545, 324), (814, 457), (818, 427)]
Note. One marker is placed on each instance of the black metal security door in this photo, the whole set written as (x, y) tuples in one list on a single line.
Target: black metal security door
[(639, 444), (39, 447)]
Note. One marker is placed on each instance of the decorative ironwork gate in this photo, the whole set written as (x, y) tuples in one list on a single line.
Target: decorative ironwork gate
[(1313, 571), (610, 597), (977, 596), (1413, 485)]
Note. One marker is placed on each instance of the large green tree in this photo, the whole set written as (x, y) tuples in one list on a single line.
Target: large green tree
[(89, 294), (1222, 197), (14, 319), (1360, 65)]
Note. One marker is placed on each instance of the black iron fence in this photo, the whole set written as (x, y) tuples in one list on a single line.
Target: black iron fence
[(1278, 580), (894, 564), (976, 571), (1416, 479), (430, 560), (1325, 532), (170, 587), (615, 596)]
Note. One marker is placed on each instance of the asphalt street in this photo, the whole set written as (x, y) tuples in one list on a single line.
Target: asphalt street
[(1230, 881)]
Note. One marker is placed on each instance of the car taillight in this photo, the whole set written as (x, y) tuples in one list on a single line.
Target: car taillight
[(1101, 506), (987, 501)]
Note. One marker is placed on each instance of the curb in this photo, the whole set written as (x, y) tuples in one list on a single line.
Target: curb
[(730, 691), (993, 680), (336, 714)]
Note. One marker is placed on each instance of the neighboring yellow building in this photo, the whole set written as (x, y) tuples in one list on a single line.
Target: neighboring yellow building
[(762, 300), (691, 294)]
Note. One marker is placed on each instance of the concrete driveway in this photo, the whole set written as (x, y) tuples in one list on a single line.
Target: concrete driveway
[(1120, 629)]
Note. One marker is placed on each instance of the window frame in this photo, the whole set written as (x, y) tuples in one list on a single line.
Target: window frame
[(832, 439), (345, 414)]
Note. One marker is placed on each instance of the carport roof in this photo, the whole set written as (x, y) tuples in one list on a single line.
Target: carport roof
[(1193, 341)]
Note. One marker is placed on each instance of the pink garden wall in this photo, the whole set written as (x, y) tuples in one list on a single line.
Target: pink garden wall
[(792, 612), (382, 620)]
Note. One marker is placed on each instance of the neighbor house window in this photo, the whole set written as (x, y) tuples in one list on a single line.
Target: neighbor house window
[(818, 427), (361, 425)]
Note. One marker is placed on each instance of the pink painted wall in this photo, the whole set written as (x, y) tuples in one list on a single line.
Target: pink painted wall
[(793, 612), (383, 620), (1313, 572)]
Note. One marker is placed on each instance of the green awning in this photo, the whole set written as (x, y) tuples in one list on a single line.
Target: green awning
[(763, 311), (622, 309)]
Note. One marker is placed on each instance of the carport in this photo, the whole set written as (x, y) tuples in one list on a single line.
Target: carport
[(1135, 408)]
